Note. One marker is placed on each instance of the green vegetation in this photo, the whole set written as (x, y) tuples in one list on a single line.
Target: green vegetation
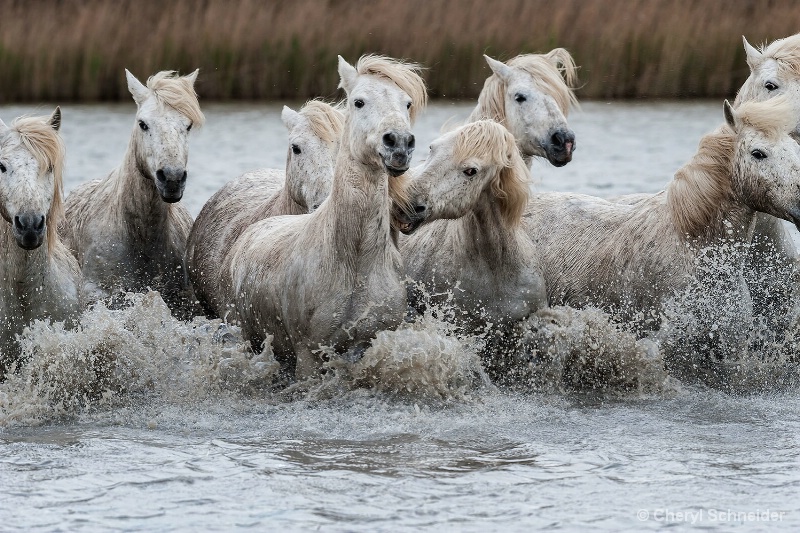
[(262, 49)]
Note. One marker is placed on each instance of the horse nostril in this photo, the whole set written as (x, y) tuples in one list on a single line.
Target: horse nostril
[(390, 139), (17, 223), (558, 139), (420, 209), (184, 176), (411, 142), (40, 224), (160, 175)]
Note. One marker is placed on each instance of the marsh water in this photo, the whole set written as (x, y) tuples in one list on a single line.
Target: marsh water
[(186, 433)]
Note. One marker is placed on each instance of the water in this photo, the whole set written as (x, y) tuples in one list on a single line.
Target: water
[(142, 422)]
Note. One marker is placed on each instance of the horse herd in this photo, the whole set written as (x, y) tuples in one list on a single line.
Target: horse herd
[(348, 240)]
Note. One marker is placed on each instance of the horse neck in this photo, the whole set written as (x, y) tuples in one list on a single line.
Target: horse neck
[(139, 201), (357, 213), (491, 235), (282, 203)]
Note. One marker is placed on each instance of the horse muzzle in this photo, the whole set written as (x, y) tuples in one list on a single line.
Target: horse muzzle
[(171, 183), (408, 219), (396, 151), (560, 146), (29, 229)]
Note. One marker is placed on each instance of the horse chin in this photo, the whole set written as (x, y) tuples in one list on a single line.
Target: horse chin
[(29, 242), (171, 199), (396, 172), (560, 159)]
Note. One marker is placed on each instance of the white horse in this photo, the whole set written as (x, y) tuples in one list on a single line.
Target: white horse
[(334, 277), (629, 258), (127, 230), (39, 278), (774, 71), (314, 134), (475, 178), (531, 95)]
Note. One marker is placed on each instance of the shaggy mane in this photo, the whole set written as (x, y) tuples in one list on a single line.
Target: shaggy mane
[(553, 73), (492, 143), (43, 141), (326, 120), (178, 93), (786, 52), (704, 183), (403, 74)]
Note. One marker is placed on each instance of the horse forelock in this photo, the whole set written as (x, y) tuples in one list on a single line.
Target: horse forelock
[(406, 75), (45, 144), (553, 73), (774, 117), (489, 141), (786, 52), (703, 185), (178, 93), (326, 120)]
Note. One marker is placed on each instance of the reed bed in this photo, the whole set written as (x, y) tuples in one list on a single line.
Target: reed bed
[(72, 50)]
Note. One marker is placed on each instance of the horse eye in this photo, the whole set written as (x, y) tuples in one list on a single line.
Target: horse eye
[(770, 86), (3, 168), (189, 127), (144, 126), (758, 154), (296, 149), (520, 98), (471, 171), (359, 103), (408, 105)]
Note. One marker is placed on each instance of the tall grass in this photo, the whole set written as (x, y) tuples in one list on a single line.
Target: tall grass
[(260, 49)]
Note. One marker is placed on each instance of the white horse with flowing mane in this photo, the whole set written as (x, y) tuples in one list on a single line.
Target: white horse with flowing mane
[(314, 134), (475, 179), (334, 277), (531, 95), (39, 278), (127, 230), (774, 71), (628, 258)]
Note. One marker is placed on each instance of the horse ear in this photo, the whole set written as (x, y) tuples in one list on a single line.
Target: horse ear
[(502, 70), (730, 115), (55, 119), (289, 117), (138, 91), (193, 76), (347, 75), (3, 129), (754, 57)]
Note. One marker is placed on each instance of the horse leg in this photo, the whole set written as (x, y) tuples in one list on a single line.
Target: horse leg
[(306, 365)]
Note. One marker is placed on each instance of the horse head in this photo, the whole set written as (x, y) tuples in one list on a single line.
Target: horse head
[(167, 111), (31, 165)]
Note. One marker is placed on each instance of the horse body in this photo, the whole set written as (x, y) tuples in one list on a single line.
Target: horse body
[(127, 231), (313, 137), (334, 277), (39, 278), (476, 257), (629, 257)]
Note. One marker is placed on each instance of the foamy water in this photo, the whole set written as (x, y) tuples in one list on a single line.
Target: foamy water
[(139, 421)]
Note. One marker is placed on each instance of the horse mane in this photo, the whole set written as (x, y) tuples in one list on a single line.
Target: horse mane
[(699, 188), (43, 141), (491, 142), (786, 52), (178, 93), (553, 73), (326, 120), (402, 73)]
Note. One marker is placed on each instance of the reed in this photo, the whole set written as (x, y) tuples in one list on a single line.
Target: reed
[(61, 50)]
